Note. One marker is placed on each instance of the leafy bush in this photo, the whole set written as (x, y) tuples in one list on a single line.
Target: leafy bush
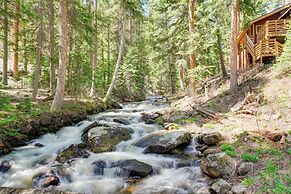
[(250, 157)]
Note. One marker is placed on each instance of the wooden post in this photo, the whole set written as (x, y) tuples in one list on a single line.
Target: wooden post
[(261, 52), (267, 29), (276, 48)]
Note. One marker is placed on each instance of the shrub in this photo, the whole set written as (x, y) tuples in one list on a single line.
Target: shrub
[(250, 157)]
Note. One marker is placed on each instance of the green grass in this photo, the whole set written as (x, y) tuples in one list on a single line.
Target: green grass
[(272, 182), (189, 120), (250, 157), (209, 126)]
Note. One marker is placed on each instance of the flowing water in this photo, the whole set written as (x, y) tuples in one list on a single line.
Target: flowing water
[(31, 160)]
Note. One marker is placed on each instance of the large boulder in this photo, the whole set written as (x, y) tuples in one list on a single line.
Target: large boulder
[(4, 166), (211, 138), (239, 189), (163, 141), (126, 168), (104, 138), (44, 180), (245, 168), (134, 168), (74, 151), (221, 187), (121, 121), (217, 165)]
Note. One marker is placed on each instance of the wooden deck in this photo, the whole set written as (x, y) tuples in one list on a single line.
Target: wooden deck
[(267, 48), (273, 28)]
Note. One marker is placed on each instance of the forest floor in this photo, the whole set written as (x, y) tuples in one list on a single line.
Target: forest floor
[(258, 131)]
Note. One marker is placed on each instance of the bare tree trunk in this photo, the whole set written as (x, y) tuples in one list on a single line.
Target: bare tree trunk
[(5, 45), (108, 56), (38, 61), (25, 55), (182, 77), (94, 63), (52, 47), (120, 53), (234, 47), (221, 55), (192, 57), (63, 28), (15, 40)]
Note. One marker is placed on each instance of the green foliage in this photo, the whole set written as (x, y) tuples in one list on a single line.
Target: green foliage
[(25, 106), (228, 149), (189, 120), (250, 157), (12, 132), (248, 181)]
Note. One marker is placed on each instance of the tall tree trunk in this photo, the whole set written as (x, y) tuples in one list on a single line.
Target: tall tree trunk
[(25, 62), (94, 62), (120, 52), (108, 56), (52, 47), (234, 47), (38, 61), (15, 40), (192, 57), (5, 45), (63, 28), (182, 76), (221, 55)]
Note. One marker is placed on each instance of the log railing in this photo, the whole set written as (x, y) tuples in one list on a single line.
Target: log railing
[(273, 28), (267, 48), (250, 45)]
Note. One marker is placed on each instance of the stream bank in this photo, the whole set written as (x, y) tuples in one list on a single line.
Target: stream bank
[(20, 132)]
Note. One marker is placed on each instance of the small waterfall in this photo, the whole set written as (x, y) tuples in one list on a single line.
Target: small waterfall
[(83, 176)]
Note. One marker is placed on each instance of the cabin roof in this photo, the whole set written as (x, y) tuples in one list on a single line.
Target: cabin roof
[(286, 7)]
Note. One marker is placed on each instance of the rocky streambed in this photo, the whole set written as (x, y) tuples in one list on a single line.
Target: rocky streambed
[(119, 151)]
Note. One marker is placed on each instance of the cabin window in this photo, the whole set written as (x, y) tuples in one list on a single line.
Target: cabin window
[(258, 28)]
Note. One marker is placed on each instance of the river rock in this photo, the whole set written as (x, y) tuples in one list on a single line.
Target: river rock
[(239, 189), (74, 151), (5, 190), (211, 138), (4, 166), (104, 138), (221, 187), (45, 180), (121, 121), (217, 165), (134, 168), (211, 151), (99, 167), (163, 141), (245, 168)]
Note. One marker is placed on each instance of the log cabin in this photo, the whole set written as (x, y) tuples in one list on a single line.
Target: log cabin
[(263, 40)]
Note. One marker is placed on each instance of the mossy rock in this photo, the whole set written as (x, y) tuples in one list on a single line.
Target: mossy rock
[(104, 139), (74, 151)]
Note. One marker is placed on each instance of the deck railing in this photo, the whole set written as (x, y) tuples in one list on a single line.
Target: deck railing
[(273, 28), (267, 48)]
